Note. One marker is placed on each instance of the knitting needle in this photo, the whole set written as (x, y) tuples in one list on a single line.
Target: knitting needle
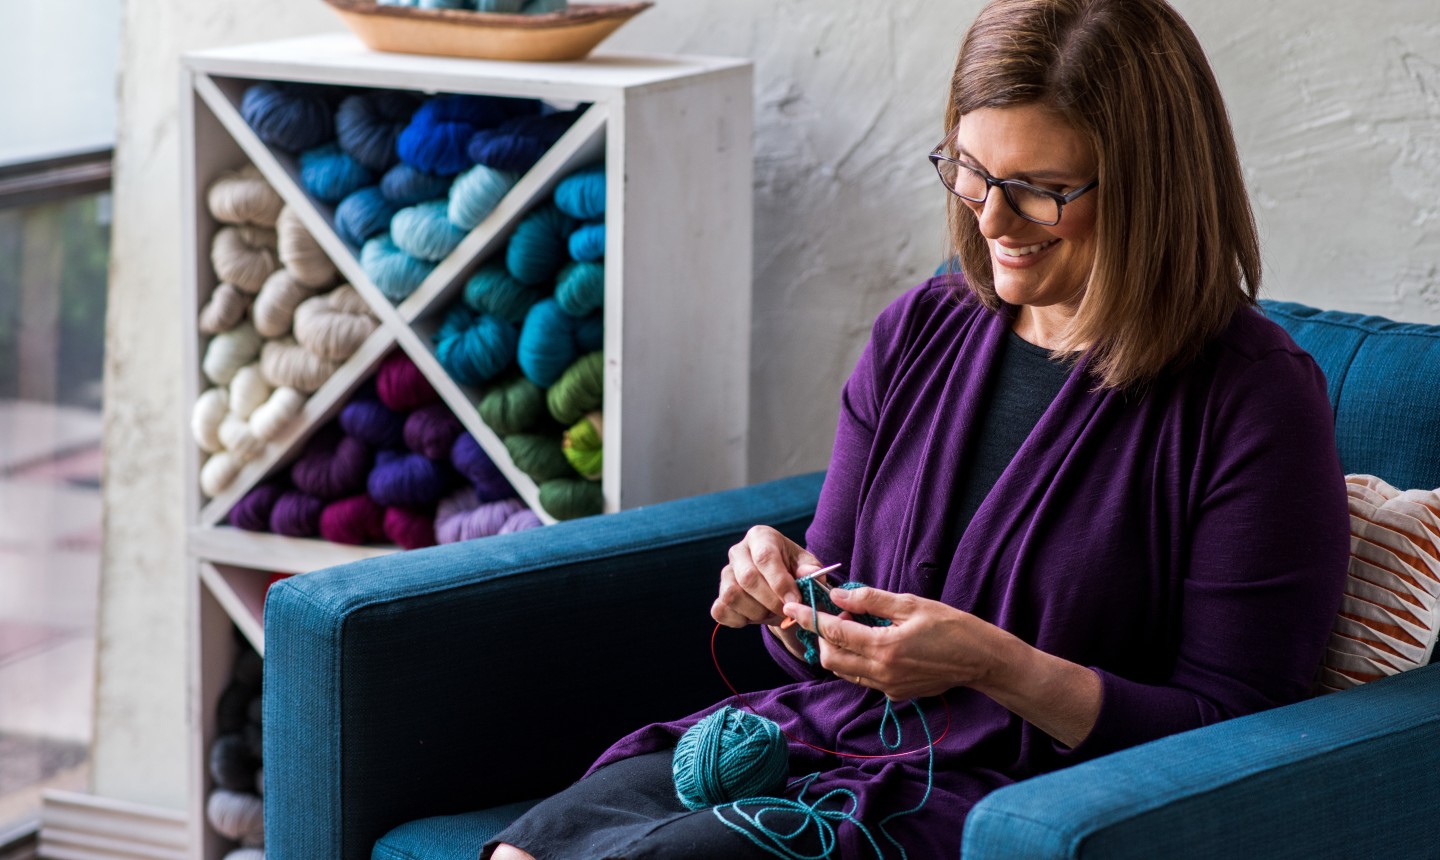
[(824, 586)]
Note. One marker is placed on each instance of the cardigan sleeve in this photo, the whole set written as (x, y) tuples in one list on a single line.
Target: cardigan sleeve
[(1268, 556)]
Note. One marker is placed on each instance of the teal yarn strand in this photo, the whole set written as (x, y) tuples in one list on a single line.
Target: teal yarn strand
[(476, 193), (729, 755), (393, 271), (424, 231)]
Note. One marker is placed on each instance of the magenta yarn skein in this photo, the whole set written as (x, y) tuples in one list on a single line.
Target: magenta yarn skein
[(475, 466), (333, 468), (431, 430), (521, 521), (373, 423), (400, 384), (252, 512), (409, 529), (296, 514), (356, 520), (407, 479)]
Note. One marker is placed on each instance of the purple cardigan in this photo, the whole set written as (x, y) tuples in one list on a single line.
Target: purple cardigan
[(1188, 544)]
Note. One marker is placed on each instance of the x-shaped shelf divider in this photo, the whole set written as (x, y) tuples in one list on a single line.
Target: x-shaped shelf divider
[(582, 144)]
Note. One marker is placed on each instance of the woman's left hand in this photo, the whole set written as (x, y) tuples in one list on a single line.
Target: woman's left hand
[(927, 648)]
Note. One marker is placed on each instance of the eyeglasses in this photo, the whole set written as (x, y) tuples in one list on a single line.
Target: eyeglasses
[(1029, 202)]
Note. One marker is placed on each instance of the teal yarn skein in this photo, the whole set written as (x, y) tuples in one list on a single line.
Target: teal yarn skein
[(424, 231), (542, 7), (547, 343), (364, 215), (587, 244), (474, 348), (540, 245), (728, 756), (476, 193), (581, 195), (510, 7), (580, 288), (492, 290), (330, 174), (393, 271)]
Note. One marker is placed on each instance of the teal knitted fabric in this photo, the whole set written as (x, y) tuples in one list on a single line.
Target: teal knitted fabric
[(819, 600)]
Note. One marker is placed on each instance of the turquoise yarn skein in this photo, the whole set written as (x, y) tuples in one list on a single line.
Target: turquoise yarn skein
[(330, 174), (728, 756), (474, 348), (510, 7), (395, 272), (492, 291), (364, 215), (424, 231), (539, 245), (580, 288), (476, 193), (581, 195), (547, 343), (542, 7), (587, 244)]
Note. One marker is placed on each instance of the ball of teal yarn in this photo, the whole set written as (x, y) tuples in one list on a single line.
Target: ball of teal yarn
[(582, 195), (547, 343), (424, 231), (393, 271), (543, 7), (587, 243), (730, 755), (363, 215), (406, 185), (474, 348), (580, 288), (539, 245), (330, 174), (476, 193), (492, 290)]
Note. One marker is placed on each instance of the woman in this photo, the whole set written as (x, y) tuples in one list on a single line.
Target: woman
[(1093, 489)]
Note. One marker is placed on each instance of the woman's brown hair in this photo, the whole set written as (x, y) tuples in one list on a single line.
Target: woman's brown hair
[(1177, 251)]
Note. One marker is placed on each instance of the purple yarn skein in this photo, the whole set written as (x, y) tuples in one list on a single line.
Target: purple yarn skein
[(374, 423), (296, 514), (461, 516), (252, 512), (473, 464), (406, 479), (333, 468), (431, 430), (521, 521)]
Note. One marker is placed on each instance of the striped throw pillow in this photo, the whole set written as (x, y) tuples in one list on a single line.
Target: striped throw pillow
[(1390, 614)]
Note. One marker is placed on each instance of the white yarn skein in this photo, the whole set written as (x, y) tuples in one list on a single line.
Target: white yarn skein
[(224, 310), (244, 256), (334, 325), (275, 305), (211, 407), (300, 253), (246, 854), (244, 197), (229, 351), (237, 815), (286, 362), (219, 471), (275, 414), (248, 390), (236, 436)]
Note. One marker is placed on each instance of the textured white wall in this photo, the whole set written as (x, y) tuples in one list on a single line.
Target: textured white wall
[(1337, 109)]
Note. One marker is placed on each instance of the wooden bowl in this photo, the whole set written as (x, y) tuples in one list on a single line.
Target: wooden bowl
[(568, 35)]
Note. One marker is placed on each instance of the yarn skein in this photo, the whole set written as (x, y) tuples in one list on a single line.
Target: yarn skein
[(583, 448), (540, 244), (296, 514), (285, 363), (330, 174), (405, 185), (355, 520), (474, 348), (581, 195), (548, 343), (579, 390), (571, 498), (300, 253), (410, 529), (513, 406), (274, 309), (210, 409), (395, 273), (332, 467), (474, 465), (224, 310), (424, 231), (406, 479), (538, 456), (476, 193), (517, 144), (580, 288), (367, 125), (462, 516), (244, 256), (218, 472), (431, 430), (363, 215), (401, 386), (291, 117), (236, 815), (492, 290), (335, 324), (248, 390), (587, 243), (521, 521), (243, 197), (229, 351), (728, 756), (434, 140), (373, 423), (276, 413)]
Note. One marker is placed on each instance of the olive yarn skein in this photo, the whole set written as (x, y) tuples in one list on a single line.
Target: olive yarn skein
[(579, 390), (513, 406)]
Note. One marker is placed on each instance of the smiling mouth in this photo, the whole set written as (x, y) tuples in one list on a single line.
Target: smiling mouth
[(1025, 251)]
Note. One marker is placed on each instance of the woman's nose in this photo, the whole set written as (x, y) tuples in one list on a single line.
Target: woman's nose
[(995, 215)]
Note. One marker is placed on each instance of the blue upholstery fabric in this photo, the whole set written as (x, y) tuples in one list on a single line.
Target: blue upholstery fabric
[(446, 680), (447, 837)]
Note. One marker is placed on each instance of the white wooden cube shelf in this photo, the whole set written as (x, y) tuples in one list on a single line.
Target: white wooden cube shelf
[(674, 135)]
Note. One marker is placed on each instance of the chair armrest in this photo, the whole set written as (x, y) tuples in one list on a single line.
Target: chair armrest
[(465, 676), (1350, 774)]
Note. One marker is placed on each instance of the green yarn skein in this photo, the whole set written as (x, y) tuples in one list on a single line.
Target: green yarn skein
[(579, 390), (539, 456), (582, 446), (569, 498), (513, 406), (728, 756), (812, 595)]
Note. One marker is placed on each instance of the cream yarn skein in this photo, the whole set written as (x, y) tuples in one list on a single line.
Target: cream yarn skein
[(334, 325), (244, 256), (224, 311), (244, 197), (275, 306), (235, 435), (286, 362), (229, 351), (275, 414), (248, 389), (238, 816), (300, 253), (211, 407), (219, 472)]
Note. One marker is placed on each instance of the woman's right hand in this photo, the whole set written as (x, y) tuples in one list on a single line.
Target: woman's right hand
[(760, 578)]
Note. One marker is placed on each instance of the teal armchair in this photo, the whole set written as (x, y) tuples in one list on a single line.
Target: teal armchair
[(415, 704)]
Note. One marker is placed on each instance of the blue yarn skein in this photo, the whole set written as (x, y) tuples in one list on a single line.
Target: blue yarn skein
[(538, 247), (542, 7), (435, 139), (582, 194), (406, 185), (516, 144), (547, 343), (476, 193), (587, 243), (509, 7), (492, 290), (729, 755), (291, 117), (406, 479), (590, 333), (363, 215), (367, 125), (393, 271), (424, 231), (474, 348), (580, 288), (330, 174)]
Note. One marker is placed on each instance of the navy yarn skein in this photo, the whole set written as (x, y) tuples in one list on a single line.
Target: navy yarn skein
[(364, 214), (292, 117), (366, 125), (516, 144), (406, 185), (728, 756)]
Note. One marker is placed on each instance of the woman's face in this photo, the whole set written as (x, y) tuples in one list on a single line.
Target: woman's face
[(1035, 265)]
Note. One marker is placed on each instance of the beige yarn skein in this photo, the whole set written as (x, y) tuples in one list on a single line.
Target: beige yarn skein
[(244, 197), (248, 389), (334, 325), (300, 253), (229, 351), (224, 310), (275, 305), (285, 362), (275, 414), (244, 256), (211, 407)]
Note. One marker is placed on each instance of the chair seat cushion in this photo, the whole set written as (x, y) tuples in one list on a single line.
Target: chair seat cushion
[(447, 837)]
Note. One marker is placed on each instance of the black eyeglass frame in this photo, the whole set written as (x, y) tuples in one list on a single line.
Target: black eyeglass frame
[(1005, 185)]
